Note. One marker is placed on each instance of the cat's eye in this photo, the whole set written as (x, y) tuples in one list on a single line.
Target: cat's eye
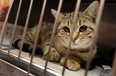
[(66, 29), (83, 28)]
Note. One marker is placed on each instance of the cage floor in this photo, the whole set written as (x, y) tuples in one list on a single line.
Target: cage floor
[(7, 69), (56, 67)]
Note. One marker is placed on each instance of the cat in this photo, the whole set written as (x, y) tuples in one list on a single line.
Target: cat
[(80, 43)]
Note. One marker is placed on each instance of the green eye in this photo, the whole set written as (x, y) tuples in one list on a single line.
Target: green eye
[(66, 29), (83, 28)]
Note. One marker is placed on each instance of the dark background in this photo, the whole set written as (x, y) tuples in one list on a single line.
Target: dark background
[(68, 6), (107, 29)]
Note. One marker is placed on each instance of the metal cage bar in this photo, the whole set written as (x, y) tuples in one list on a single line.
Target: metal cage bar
[(53, 33), (37, 35), (25, 28), (98, 19), (73, 26), (14, 28)]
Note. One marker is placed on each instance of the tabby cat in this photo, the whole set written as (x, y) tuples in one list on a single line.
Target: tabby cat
[(80, 43)]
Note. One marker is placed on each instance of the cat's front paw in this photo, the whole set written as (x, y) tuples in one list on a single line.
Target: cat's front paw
[(70, 64), (53, 54)]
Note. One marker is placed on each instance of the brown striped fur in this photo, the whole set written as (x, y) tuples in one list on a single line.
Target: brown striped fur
[(80, 43)]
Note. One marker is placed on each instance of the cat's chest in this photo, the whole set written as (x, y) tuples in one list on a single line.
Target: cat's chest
[(82, 53)]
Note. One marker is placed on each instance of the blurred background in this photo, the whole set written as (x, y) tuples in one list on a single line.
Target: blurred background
[(4, 6)]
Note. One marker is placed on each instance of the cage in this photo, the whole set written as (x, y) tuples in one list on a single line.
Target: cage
[(22, 15)]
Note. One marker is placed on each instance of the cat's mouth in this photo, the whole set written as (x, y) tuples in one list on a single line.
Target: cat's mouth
[(79, 44)]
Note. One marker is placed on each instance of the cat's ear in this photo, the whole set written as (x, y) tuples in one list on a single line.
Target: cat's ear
[(54, 12), (92, 9)]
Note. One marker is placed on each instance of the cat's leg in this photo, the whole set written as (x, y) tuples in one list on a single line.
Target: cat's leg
[(70, 64), (27, 46), (53, 53)]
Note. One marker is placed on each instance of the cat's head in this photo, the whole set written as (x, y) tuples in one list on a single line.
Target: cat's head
[(84, 28)]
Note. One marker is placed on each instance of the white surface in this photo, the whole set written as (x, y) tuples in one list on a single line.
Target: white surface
[(56, 67)]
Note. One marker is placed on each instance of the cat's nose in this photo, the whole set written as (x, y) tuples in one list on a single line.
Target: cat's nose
[(75, 37)]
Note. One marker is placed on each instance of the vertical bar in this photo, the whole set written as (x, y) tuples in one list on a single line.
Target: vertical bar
[(73, 26), (53, 33), (14, 27), (98, 19), (4, 25), (37, 35), (25, 28), (113, 71)]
